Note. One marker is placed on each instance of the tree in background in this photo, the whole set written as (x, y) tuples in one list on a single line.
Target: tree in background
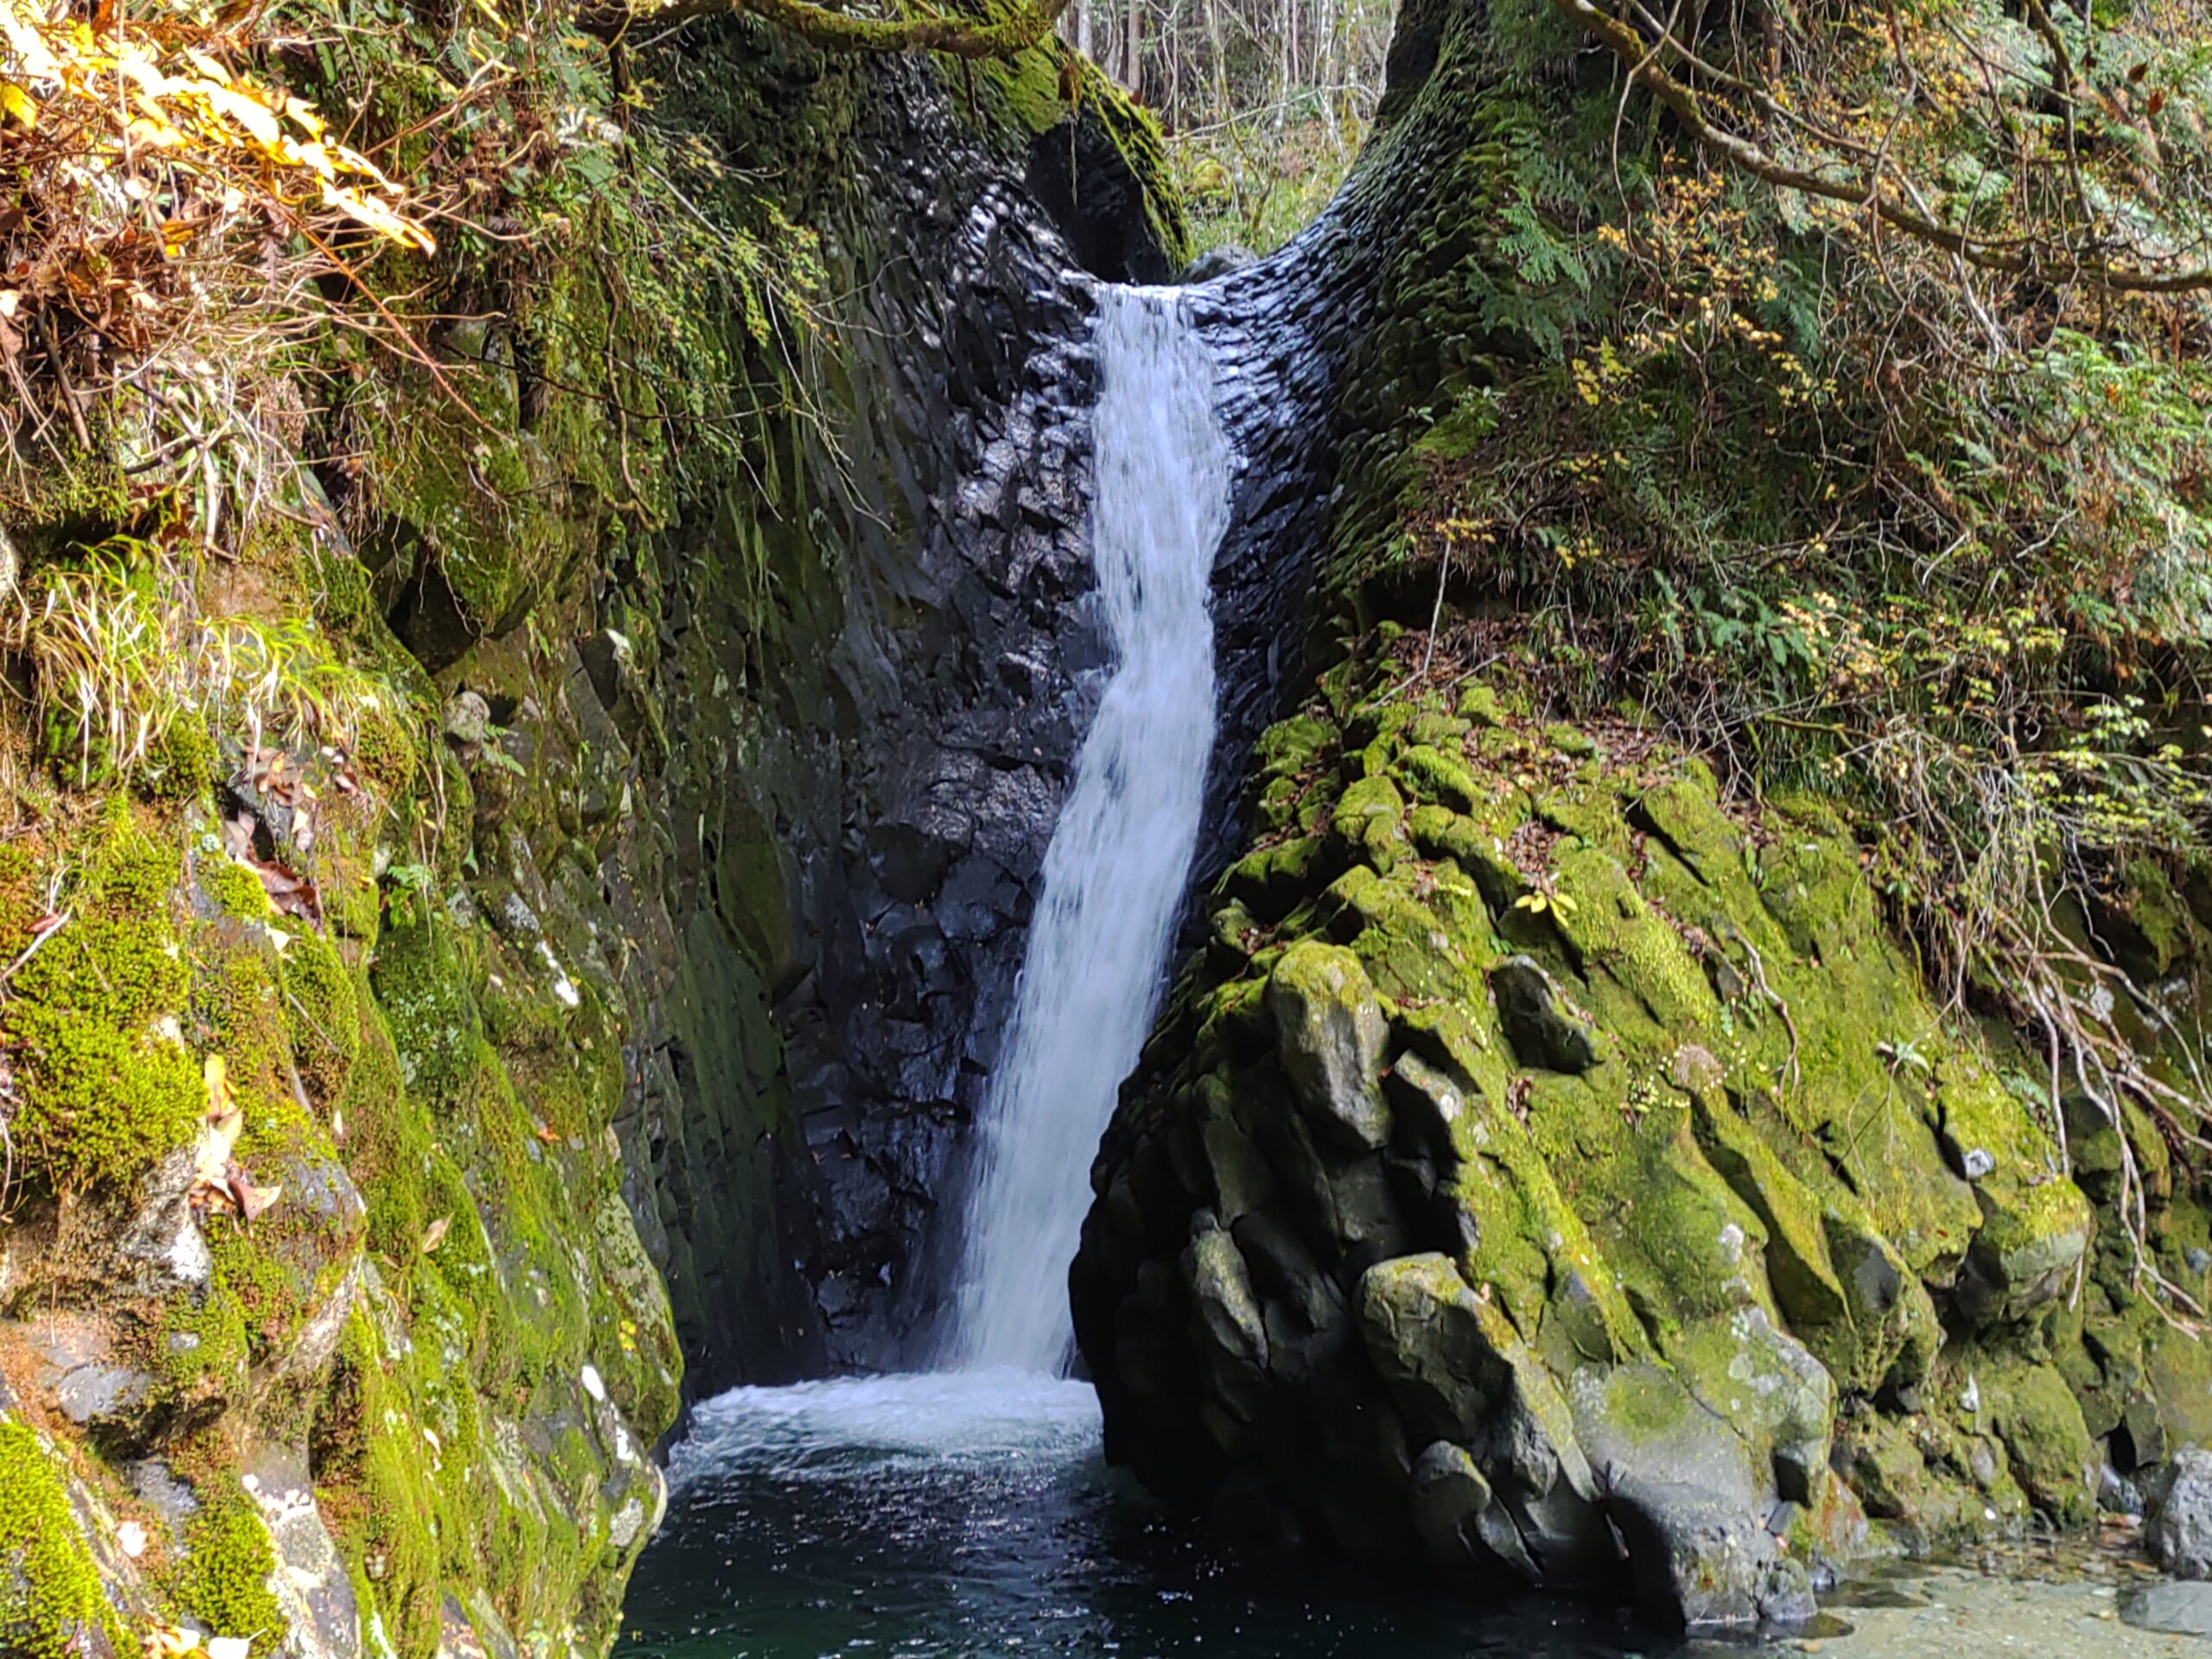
[(1265, 100)]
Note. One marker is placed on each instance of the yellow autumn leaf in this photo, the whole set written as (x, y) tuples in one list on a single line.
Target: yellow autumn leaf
[(155, 115), (315, 157), (30, 45), (217, 72), (133, 63), (303, 113), (257, 118), (379, 217), (160, 134), (353, 161), (215, 1073), (18, 106)]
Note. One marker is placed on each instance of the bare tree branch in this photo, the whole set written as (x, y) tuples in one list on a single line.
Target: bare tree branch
[(2053, 262)]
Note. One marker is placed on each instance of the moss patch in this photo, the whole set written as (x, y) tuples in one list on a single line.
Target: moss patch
[(51, 1599)]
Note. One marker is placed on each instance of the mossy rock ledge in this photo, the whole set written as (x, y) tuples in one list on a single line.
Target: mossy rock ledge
[(525, 1013), (1549, 1173)]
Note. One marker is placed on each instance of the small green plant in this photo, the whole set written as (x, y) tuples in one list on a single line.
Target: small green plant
[(125, 659)]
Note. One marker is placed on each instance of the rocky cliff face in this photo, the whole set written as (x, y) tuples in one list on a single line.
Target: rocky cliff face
[(1549, 1166), (865, 753), (603, 1014)]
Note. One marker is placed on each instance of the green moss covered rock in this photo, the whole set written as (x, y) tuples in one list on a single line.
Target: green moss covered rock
[(1622, 1132)]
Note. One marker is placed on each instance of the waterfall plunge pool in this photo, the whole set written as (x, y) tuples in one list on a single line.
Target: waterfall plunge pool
[(970, 1515)]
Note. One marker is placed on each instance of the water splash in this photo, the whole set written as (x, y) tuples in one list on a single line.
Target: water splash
[(1120, 856)]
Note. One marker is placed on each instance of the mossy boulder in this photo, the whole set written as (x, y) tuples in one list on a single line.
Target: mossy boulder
[(1656, 1185)]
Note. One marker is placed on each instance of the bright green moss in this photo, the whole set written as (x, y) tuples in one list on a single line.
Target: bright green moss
[(1439, 778), (100, 1104), (236, 1013), (51, 1602), (1370, 814), (223, 1580), (2032, 1409), (389, 1144), (372, 1486), (321, 1011), (201, 1345), (265, 1287), (106, 1091), (428, 996), (182, 764), (233, 889)]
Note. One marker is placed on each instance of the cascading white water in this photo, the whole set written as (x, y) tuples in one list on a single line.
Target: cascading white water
[(1121, 852)]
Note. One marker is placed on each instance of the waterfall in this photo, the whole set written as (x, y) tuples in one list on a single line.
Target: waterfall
[(1121, 854)]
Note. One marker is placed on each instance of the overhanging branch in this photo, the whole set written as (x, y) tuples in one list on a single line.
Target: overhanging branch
[(2052, 262), (1024, 26)]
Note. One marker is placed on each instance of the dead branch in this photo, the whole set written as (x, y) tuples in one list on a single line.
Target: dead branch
[(1872, 190)]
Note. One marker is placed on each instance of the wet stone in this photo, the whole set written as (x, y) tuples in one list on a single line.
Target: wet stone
[(1541, 1024)]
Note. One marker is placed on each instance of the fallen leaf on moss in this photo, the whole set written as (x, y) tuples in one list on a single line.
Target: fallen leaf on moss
[(218, 1180), (251, 1201), (169, 1641), (219, 1133), (292, 895), (434, 1234)]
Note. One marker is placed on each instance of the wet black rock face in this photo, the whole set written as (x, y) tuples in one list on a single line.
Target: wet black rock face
[(871, 807), (856, 686), (861, 776)]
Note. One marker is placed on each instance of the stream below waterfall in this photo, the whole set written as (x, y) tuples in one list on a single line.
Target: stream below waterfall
[(971, 1512)]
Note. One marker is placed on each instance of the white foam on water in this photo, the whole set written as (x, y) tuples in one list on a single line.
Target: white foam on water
[(831, 1430)]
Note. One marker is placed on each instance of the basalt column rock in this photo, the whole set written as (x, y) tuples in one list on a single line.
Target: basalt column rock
[(850, 692), (1437, 1225)]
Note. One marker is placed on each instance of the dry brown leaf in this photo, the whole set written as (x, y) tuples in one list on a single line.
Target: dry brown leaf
[(292, 895), (434, 1234), (219, 1133), (252, 1201)]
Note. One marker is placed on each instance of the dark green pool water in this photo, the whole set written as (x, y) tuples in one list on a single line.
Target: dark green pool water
[(943, 1517), (916, 1517)]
